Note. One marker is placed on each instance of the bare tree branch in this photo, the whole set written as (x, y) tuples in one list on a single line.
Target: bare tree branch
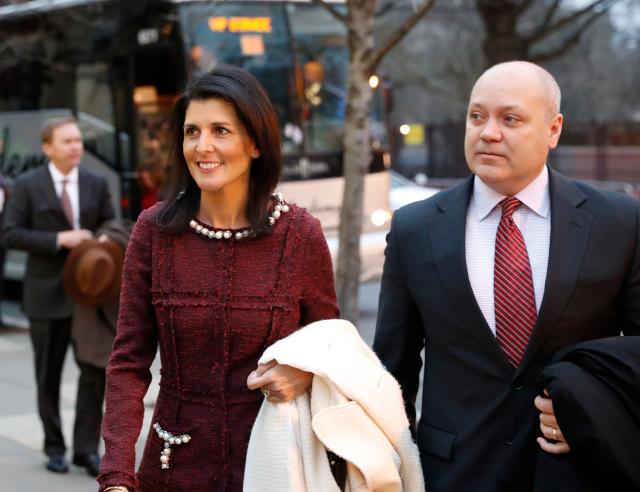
[(568, 43), (399, 33), (20, 48), (332, 10), (566, 20), (551, 11), (435, 82), (384, 8), (61, 67), (523, 6)]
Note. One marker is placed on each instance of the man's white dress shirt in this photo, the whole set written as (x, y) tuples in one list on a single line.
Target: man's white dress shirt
[(72, 190), (533, 218)]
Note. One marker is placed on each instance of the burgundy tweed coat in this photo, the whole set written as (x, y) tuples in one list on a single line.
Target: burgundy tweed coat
[(212, 306)]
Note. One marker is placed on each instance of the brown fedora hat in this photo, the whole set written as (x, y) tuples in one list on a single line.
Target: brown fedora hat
[(92, 272)]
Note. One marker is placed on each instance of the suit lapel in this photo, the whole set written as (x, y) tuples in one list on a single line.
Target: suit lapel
[(570, 229), (84, 195), (447, 234)]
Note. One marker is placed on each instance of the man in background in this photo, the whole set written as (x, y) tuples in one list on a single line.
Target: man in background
[(53, 209)]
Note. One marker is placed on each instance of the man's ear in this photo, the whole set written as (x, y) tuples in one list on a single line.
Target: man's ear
[(556, 130), (46, 148)]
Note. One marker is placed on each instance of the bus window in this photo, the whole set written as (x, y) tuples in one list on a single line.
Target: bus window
[(322, 56)]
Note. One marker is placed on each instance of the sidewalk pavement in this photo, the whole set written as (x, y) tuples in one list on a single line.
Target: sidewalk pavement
[(21, 437), (21, 458)]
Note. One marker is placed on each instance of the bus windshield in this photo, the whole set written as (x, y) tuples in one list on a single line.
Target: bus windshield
[(254, 37)]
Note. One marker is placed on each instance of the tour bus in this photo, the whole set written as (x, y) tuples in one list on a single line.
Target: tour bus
[(119, 65)]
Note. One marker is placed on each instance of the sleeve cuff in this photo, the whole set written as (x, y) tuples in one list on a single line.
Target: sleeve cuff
[(113, 479)]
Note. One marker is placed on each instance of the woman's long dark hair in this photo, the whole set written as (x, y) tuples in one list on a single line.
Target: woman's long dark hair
[(255, 112)]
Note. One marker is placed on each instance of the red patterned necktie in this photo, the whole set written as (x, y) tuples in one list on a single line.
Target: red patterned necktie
[(515, 302), (66, 203)]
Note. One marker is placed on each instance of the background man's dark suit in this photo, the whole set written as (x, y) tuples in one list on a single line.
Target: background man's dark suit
[(33, 218), (473, 400)]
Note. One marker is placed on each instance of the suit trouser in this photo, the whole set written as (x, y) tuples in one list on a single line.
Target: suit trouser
[(86, 429), (50, 340)]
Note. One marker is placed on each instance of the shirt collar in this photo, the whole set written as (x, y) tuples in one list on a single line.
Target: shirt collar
[(57, 176), (535, 196)]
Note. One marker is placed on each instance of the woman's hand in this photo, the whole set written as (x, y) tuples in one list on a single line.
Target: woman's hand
[(279, 383)]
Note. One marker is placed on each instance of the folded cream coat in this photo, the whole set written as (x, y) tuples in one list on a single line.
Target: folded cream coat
[(355, 409)]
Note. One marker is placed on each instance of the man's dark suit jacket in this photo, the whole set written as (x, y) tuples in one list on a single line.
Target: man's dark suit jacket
[(473, 400), (32, 220)]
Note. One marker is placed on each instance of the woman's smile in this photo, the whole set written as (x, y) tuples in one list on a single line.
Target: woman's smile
[(208, 166)]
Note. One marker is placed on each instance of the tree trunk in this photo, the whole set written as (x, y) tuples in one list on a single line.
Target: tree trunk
[(502, 42), (357, 154)]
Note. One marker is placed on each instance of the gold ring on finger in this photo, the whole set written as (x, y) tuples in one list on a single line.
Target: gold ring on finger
[(266, 393), (555, 434)]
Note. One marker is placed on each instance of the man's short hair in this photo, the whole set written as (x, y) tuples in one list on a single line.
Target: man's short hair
[(548, 84), (552, 93), (52, 123)]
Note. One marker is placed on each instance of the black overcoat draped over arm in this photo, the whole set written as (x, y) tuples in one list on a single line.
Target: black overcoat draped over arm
[(595, 387)]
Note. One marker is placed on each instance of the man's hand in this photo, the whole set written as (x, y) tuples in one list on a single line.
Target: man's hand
[(553, 441), (70, 239), (284, 383)]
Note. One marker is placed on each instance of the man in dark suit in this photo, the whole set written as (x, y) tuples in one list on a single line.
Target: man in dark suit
[(493, 276), (52, 209)]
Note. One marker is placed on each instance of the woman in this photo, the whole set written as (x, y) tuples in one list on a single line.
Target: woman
[(213, 275)]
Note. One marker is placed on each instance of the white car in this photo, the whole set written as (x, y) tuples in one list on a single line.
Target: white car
[(404, 191), (401, 191)]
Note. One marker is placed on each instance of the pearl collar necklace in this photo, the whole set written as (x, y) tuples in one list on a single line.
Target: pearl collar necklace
[(280, 208)]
